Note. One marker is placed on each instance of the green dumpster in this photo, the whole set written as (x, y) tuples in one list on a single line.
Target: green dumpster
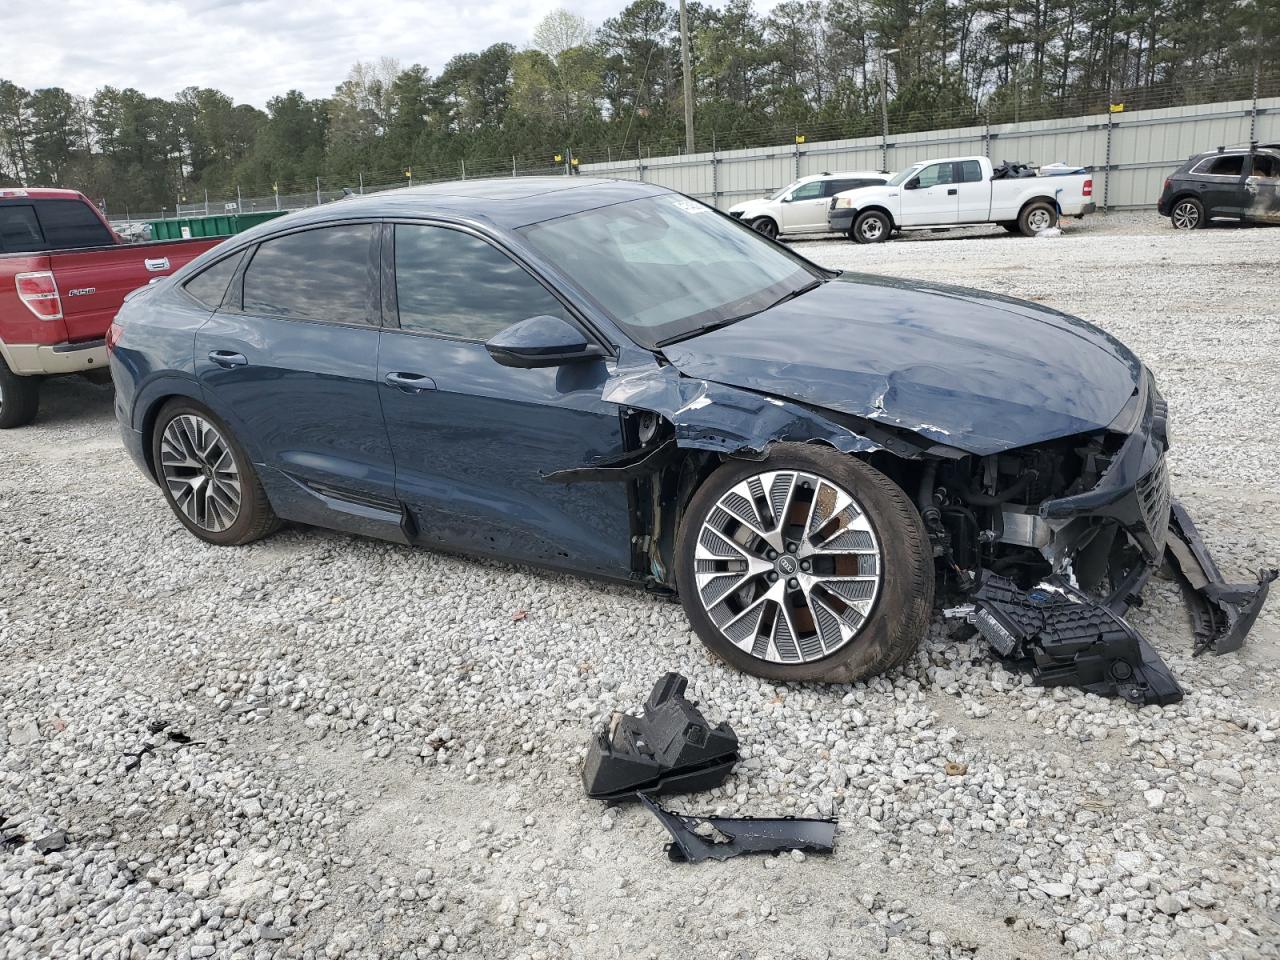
[(221, 225)]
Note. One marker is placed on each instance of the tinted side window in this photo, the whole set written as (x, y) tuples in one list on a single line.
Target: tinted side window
[(325, 274), (968, 171), (71, 223), (210, 285), (809, 191), (452, 283), (1227, 166), (19, 229), (1265, 165)]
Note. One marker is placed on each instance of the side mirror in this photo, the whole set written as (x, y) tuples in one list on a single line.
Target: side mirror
[(912, 184), (543, 341)]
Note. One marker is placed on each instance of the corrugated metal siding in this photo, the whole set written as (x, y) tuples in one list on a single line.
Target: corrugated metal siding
[(1146, 146)]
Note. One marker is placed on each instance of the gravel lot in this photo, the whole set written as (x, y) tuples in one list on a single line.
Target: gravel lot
[(383, 757)]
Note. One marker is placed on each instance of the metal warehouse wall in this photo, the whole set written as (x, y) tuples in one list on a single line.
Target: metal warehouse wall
[(1130, 152)]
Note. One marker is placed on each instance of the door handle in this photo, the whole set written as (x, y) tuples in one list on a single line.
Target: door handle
[(952, 192), (228, 358), (158, 265), (410, 382)]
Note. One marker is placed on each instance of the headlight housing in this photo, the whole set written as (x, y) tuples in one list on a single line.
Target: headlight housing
[(841, 203)]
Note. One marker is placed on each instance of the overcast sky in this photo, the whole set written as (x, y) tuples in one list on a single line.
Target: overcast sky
[(252, 49)]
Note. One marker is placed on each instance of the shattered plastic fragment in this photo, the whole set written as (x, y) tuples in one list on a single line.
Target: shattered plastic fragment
[(718, 838), (669, 748)]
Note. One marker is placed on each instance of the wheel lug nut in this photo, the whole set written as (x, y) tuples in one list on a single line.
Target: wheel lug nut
[(772, 554), (804, 564), (793, 583), (791, 548), (773, 578)]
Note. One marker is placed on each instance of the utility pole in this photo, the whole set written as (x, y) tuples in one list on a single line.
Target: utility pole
[(884, 107), (688, 79)]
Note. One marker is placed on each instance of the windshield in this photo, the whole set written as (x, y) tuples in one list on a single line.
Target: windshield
[(901, 177), (665, 267)]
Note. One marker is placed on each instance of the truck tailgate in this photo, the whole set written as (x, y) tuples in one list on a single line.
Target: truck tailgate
[(93, 282)]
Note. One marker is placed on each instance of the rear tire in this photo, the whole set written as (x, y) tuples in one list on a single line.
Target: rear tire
[(19, 398), (872, 227), (817, 636), (1187, 214), (766, 227), (207, 478), (1037, 216)]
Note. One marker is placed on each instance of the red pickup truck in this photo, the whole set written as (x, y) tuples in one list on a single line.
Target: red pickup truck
[(63, 275)]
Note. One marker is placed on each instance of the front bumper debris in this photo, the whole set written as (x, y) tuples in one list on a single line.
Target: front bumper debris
[(1065, 638), (694, 839), (669, 748), (1221, 613)]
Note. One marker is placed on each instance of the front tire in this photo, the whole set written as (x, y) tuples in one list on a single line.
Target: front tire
[(207, 478), (1037, 216), (1187, 214), (809, 565), (19, 398), (766, 227), (872, 227)]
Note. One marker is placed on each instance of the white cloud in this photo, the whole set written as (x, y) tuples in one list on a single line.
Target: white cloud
[(250, 49)]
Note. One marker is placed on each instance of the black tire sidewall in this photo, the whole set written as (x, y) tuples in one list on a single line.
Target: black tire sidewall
[(248, 520), (905, 599), (766, 227), (1024, 219), (21, 398), (1200, 221), (871, 214)]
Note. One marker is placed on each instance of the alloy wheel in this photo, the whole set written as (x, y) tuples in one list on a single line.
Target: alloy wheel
[(787, 566), (200, 472), (766, 227), (1186, 216)]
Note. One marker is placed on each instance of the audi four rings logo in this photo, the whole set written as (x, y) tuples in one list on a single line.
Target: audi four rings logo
[(787, 565)]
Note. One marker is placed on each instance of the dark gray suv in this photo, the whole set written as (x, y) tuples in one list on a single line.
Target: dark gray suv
[(1240, 184)]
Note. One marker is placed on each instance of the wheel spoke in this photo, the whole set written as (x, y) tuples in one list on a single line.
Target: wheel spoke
[(200, 472)]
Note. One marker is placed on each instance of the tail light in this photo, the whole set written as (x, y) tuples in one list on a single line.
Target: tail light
[(113, 335), (39, 293), (1088, 187)]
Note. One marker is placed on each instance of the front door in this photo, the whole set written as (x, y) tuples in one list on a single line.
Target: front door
[(933, 200), (473, 439), (291, 362), (805, 208), (1262, 189)]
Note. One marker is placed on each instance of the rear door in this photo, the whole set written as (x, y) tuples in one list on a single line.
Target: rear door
[(1223, 184), (934, 199), (291, 360), (473, 439), (972, 191), (805, 208), (1262, 201)]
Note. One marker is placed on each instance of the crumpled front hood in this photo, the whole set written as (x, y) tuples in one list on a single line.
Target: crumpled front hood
[(977, 371)]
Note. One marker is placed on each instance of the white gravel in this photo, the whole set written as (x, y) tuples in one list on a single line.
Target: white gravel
[(384, 760)]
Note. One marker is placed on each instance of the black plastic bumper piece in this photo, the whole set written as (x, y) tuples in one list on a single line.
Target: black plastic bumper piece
[(1221, 613), (1067, 639), (669, 748), (718, 838)]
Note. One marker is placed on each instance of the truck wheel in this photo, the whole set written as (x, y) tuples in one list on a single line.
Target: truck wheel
[(1187, 214), (766, 227), (808, 565), (872, 227), (19, 398), (1037, 216), (207, 477)]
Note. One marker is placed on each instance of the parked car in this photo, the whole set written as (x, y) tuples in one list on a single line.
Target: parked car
[(1240, 184), (801, 207), (959, 191), (610, 378), (63, 274)]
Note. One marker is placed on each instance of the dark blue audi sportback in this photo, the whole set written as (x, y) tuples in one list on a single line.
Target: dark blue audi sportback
[(610, 378)]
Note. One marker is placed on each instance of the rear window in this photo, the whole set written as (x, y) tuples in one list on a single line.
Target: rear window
[(210, 286), (19, 229), (968, 171), (325, 274), (71, 223), (1226, 167)]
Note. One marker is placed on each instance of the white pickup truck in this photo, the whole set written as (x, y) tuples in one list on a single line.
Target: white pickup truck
[(960, 191)]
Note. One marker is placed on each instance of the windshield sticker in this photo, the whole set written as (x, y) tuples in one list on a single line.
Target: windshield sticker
[(689, 206)]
